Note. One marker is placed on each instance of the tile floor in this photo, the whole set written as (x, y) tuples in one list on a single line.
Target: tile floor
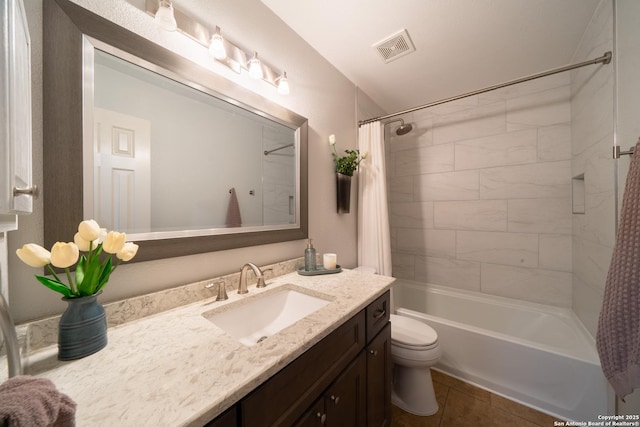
[(464, 405)]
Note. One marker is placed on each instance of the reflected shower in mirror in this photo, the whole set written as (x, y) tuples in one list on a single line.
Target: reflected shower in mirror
[(167, 156)]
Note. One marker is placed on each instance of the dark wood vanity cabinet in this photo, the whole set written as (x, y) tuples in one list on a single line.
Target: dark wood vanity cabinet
[(344, 380)]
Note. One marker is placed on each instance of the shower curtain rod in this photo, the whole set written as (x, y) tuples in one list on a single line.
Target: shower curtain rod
[(605, 59)]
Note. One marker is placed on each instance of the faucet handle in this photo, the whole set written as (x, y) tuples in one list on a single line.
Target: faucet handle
[(222, 290), (261, 283)]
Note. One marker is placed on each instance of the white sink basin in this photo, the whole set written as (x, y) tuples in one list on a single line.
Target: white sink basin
[(252, 321)]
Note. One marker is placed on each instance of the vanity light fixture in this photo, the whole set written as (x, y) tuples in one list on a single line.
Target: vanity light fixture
[(223, 51), (283, 84), (216, 48), (255, 67), (165, 17)]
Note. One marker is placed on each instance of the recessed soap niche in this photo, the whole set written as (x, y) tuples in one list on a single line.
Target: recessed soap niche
[(577, 194)]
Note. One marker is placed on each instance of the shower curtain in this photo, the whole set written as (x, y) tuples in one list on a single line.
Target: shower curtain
[(374, 241)]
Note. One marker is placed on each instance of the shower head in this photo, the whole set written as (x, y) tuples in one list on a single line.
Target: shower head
[(403, 129)]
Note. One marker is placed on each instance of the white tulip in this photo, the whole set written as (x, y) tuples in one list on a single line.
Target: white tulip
[(114, 242), (89, 230), (84, 245), (64, 255), (128, 251), (34, 255), (332, 139)]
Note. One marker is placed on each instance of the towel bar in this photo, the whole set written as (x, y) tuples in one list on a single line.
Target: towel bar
[(617, 152)]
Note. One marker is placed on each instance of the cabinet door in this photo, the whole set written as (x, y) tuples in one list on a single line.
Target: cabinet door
[(316, 416), (16, 187), (345, 401), (229, 418), (379, 371)]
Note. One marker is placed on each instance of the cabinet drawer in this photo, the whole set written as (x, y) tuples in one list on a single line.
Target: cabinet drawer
[(378, 313), (286, 396)]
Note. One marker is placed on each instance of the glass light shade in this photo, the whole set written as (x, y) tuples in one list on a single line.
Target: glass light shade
[(216, 48), (255, 67), (283, 84), (164, 16)]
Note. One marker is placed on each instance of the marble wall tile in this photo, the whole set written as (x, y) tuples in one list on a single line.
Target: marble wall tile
[(556, 252), (540, 215), (423, 160), (429, 242), (411, 215), (539, 109), (526, 88), (554, 143), (403, 265), (591, 262), (517, 249), (472, 123), (448, 272), (447, 186), (400, 189), (447, 108), (526, 181), (587, 302), (542, 286), (479, 215), (497, 150)]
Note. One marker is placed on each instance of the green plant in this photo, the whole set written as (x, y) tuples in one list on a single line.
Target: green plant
[(93, 268), (347, 164)]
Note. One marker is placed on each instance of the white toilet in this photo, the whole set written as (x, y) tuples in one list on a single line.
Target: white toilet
[(414, 349)]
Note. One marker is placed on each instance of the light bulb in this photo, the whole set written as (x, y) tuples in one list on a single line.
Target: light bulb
[(164, 16), (216, 48), (283, 84), (255, 67)]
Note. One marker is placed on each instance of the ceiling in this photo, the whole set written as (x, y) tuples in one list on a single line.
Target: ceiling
[(461, 45)]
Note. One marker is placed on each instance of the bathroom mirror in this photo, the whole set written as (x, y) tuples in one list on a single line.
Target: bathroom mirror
[(114, 106)]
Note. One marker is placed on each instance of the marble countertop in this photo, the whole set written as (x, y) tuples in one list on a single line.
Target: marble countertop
[(177, 368)]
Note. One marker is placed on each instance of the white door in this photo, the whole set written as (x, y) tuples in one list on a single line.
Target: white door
[(122, 176)]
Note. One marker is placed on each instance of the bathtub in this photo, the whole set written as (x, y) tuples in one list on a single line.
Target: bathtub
[(538, 355)]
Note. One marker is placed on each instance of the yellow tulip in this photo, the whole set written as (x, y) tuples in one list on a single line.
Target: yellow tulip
[(34, 255), (64, 255), (128, 251), (89, 230), (114, 242)]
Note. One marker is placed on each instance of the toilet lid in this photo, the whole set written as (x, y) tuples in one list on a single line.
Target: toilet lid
[(405, 330)]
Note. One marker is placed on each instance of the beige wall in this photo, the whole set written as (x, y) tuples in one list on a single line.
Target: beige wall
[(318, 92), (480, 195)]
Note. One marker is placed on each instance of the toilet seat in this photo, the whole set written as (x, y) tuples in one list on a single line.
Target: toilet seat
[(411, 334)]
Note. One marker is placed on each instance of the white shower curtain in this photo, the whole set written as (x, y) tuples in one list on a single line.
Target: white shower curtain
[(374, 241)]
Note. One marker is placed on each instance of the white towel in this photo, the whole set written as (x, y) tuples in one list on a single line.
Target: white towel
[(233, 211)]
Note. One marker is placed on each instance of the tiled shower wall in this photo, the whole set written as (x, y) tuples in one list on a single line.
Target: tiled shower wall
[(592, 139), (480, 193)]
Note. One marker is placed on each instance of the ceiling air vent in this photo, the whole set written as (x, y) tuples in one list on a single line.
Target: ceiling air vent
[(395, 46)]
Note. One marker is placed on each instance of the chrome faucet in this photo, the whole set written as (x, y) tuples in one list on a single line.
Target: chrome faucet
[(242, 286)]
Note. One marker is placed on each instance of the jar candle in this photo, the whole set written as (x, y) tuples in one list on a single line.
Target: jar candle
[(329, 261)]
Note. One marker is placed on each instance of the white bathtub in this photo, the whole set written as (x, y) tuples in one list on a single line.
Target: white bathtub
[(535, 354)]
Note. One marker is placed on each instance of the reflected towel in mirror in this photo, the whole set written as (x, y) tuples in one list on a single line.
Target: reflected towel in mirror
[(233, 211)]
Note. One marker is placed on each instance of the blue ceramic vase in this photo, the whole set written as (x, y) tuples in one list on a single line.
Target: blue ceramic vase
[(83, 328)]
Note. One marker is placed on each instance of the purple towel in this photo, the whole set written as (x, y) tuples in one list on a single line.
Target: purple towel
[(233, 211), (618, 337), (34, 402)]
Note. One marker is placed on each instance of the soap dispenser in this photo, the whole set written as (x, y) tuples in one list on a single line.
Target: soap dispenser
[(310, 257)]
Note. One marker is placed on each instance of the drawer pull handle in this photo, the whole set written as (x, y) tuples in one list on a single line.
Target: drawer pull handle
[(322, 417), (379, 313), (336, 399), (373, 352)]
